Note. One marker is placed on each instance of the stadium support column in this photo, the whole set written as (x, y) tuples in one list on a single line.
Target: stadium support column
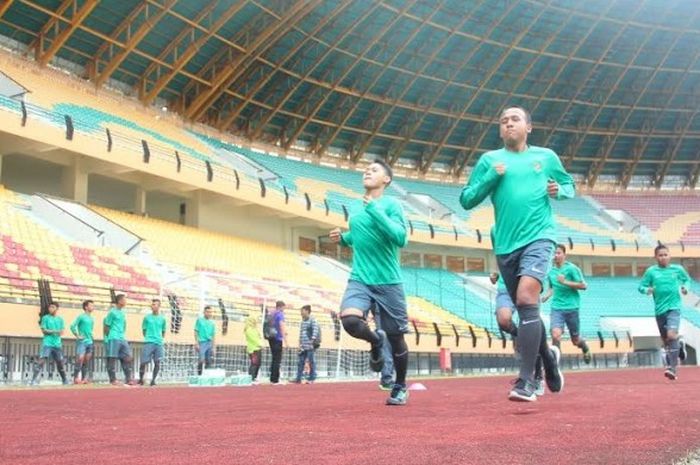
[(193, 209), (74, 182), (140, 201)]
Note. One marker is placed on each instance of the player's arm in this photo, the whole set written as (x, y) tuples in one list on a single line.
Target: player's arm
[(684, 278), (60, 330), (107, 323), (481, 183), (391, 223), (338, 237), (74, 328), (42, 326), (283, 330), (547, 295), (576, 282), (646, 286), (561, 185), (143, 327), (164, 328)]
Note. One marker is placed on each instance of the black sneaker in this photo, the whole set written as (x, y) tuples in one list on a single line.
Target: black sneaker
[(552, 372), (376, 358), (682, 354), (398, 396), (587, 357), (671, 374), (386, 386), (140, 382), (153, 383), (523, 391)]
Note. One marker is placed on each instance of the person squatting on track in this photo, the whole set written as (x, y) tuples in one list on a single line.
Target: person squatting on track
[(377, 232), (520, 179), (565, 281), (665, 282)]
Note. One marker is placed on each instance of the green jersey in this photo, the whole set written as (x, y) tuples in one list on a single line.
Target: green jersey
[(116, 322), (51, 323), (519, 196), (666, 282), (82, 327), (377, 232), (153, 329), (565, 297), (205, 329)]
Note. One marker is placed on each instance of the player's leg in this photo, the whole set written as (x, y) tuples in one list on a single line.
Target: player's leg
[(146, 357), (276, 351), (87, 361), (354, 306), (573, 322), (673, 320), (311, 357), (393, 313), (209, 356), (557, 323), (504, 314), (254, 365), (79, 361), (126, 359), (159, 354), (386, 381), (301, 360), (661, 324), (57, 356), (39, 364)]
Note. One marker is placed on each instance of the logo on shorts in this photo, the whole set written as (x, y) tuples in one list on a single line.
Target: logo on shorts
[(536, 270)]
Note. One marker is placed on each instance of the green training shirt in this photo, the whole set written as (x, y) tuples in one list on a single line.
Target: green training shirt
[(563, 296), (153, 327), (666, 282), (377, 232), (83, 326), (116, 321), (520, 201), (51, 323), (205, 329)]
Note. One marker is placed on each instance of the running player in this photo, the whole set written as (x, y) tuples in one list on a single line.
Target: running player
[(377, 232), (565, 282), (82, 329), (520, 179), (51, 347), (205, 339), (663, 281), (153, 328), (116, 345)]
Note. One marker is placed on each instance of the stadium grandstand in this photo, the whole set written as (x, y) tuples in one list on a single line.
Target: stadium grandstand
[(200, 152)]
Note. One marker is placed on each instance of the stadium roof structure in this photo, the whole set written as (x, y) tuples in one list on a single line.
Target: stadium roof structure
[(613, 86)]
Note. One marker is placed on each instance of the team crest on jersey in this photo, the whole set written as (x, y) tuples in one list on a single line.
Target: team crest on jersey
[(538, 166)]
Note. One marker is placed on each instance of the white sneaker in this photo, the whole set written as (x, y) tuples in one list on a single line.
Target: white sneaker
[(539, 387)]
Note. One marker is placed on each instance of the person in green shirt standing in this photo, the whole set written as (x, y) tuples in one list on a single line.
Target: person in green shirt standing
[(377, 232), (116, 345), (253, 346), (520, 180), (666, 282), (52, 327), (153, 328), (565, 282), (82, 328), (205, 339)]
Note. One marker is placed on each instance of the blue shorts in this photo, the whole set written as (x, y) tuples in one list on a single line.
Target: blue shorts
[(562, 319), (84, 348), (118, 349), (387, 300), (503, 300), (534, 260), (152, 353), (669, 321), (206, 351), (55, 353)]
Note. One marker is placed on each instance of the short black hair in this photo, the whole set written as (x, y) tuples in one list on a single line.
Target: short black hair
[(208, 307), (658, 248), (561, 247), (155, 301), (86, 303), (54, 303), (528, 117), (387, 169), (307, 308), (280, 304), (119, 297)]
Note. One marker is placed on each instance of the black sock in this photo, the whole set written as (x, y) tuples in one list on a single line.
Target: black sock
[(673, 348), (399, 350), (556, 342), (126, 368), (156, 369), (358, 328), (142, 372), (510, 329), (62, 371), (111, 369), (78, 367), (200, 365), (583, 345), (539, 369), (84, 369), (529, 339)]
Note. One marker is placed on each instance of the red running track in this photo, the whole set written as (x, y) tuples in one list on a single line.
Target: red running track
[(622, 417)]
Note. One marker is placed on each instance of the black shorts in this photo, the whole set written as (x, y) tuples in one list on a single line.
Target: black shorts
[(387, 300)]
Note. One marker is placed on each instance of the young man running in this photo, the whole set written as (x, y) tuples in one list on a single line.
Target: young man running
[(153, 328), (82, 329), (377, 232), (51, 347), (116, 345), (663, 281), (520, 179), (565, 282)]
